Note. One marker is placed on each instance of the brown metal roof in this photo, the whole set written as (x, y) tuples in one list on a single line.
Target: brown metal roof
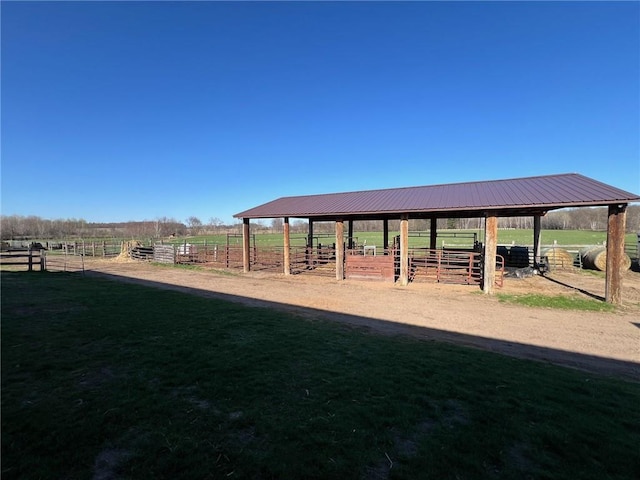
[(518, 196)]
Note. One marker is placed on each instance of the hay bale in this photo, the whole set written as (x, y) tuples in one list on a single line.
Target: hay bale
[(595, 258), (125, 250), (558, 257)]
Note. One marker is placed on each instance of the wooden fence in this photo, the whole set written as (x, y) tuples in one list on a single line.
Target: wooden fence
[(31, 258), (85, 248), (64, 262), (451, 265), (164, 253)]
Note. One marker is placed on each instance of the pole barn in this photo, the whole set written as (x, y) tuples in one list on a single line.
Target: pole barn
[(488, 200)]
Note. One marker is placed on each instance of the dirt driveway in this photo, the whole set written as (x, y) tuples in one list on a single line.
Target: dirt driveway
[(607, 343)]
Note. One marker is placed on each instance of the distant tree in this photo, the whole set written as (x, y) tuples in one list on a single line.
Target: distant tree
[(195, 225), (164, 227), (215, 223), (633, 218), (277, 225), (299, 226)]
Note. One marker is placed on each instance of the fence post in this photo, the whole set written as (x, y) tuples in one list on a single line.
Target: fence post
[(43, 261), (30, 260)]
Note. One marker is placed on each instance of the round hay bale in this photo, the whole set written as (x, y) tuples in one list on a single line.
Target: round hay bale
[(595, 258), (558, 257)]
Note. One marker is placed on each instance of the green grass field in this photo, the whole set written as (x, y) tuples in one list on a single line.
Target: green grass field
[(102, 379), (517, 237)]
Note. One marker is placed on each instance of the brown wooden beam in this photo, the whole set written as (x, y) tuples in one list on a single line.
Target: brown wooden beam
[(287, 247), (385, 235), (310, 234), (537, 235), (615, 253), (433, 233), (246, 246), (309, 250), (339, 250), (350, 236), (404, 250), (490, 246)]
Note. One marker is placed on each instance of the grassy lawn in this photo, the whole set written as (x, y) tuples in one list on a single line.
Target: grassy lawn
[(563, 302), (506, 237), (108, 380)]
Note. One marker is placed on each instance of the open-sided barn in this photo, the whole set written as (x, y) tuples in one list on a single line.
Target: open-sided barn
[(531, 196)]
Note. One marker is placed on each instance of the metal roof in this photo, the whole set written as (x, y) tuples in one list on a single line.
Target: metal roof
[(518, 196)]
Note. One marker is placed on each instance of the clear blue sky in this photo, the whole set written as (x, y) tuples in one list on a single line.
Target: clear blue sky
[(117, 111)]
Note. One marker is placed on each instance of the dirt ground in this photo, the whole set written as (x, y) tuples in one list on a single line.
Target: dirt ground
[(606, 343)]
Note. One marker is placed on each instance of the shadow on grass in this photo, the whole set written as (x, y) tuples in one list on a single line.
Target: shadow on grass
[(581, 290), (590, 363)]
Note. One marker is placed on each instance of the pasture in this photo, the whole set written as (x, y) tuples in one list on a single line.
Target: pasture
[(103, 379), (450, 237)]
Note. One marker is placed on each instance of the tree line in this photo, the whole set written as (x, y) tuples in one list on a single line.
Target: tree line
[(16, 227)]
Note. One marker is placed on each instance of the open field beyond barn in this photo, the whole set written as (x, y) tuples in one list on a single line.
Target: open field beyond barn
[(262, 376)]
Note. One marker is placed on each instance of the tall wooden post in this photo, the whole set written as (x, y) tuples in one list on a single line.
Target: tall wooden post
[(615, 253), (350, 239), (246, 246), (310, 234), (339, 250), (385, 235), (490, 246), (433, 234), (537, 234), (287, 247), (309, 250), (404, 249)]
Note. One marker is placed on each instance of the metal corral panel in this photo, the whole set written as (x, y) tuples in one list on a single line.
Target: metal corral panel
[(505, 197)]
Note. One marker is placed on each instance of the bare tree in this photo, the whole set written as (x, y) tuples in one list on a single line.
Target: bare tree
[(215, 223), (195, 225), (277, 225)]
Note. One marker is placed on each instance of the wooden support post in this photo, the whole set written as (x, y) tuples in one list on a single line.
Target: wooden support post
[(385, 236), (339, 250), (309, 249), (350, 239), (310, 234), (537, 233), (30, 262), (615, 253), (490, 245), (433, 234), (246, 246), (287, 247), (404, 250)]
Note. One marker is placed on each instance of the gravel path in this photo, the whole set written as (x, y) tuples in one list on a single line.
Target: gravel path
[(606, 343)]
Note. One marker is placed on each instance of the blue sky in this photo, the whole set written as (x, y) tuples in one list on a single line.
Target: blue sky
[(117, 111)]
